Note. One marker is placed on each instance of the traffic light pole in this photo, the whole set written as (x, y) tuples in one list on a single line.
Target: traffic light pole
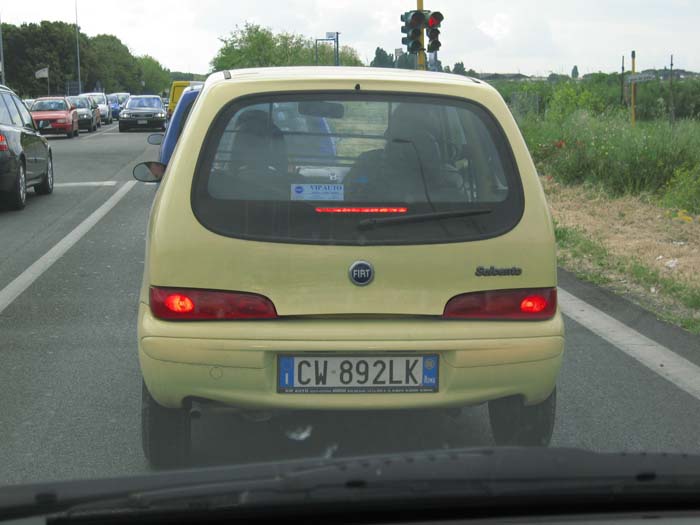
[(421, 54)]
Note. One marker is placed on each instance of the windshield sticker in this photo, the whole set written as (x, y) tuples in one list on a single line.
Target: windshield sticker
[(317, 192)]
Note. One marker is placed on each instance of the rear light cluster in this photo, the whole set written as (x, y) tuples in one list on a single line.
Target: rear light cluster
[(525, 304), (3, 143), (186, 304)]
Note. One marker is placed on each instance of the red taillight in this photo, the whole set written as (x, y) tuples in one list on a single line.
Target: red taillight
[(3, 143), (362, 210), (524, 304), (192, 305), (178, 303)]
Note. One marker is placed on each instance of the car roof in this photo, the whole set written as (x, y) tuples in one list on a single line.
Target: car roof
[(354, 75)]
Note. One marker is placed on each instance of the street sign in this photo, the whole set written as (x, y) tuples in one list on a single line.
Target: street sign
[(330, 35), (398, 52), (641, 77)]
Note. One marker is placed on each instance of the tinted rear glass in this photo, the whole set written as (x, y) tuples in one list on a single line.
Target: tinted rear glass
[(357, 169)]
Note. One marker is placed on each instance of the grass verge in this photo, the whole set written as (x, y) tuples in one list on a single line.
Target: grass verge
[(672, 300)]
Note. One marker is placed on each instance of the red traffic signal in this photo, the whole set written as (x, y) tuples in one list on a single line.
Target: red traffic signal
[(435, 19)]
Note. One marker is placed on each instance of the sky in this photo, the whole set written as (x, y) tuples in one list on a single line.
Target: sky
[(534, 37)]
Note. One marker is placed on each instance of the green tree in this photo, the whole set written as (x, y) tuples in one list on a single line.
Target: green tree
[(459, 69), (112, 66), (406, 61), (574, 72), (382, 59), (257, 46), (155, 77)]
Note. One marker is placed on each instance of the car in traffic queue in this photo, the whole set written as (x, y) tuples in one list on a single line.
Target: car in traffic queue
[(176, 89), (25, 156), (414, 270), (113, 102), (55, 116), (177, 121), (101, 101), (122, 97), (142, 111), (88, 113)]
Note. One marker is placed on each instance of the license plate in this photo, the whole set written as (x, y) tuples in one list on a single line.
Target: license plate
[(142, 122), (308, 374)]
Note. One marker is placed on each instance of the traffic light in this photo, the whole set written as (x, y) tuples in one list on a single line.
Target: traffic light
[(414, 22), (432, 32)]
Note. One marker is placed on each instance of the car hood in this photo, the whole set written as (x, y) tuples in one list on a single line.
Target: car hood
[(40, 115), (84, 111)]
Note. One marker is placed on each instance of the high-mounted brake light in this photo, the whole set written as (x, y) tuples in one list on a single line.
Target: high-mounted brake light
[(523, 304), (375, 209), (189, 304), (3, 143)]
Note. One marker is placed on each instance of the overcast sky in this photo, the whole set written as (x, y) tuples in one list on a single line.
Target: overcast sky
[(531, 37)]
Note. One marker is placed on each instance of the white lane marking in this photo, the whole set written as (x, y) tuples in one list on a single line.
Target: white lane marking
[(106, 128), (669, 365), (43, 263), (91, 183)]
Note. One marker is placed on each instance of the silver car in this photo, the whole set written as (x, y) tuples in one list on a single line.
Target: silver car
[(101, 101)]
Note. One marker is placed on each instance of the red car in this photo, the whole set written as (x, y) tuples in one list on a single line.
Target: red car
[(55, 115)]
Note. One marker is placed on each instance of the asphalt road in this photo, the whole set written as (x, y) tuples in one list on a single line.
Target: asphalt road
[(70, 381)]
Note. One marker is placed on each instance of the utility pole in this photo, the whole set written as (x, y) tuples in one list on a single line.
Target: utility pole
[(421, 53), (2, 55), (670, 87), (337, 48), (77, 48), (622, 83), (633, 88)]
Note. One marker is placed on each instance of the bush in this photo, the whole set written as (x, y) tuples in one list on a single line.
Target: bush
[(606, 150), (683, 190)]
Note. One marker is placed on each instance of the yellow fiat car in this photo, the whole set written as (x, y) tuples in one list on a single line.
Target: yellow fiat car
[(339, 239)]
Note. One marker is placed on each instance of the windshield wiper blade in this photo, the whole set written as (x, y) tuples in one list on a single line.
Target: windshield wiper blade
[(367, 224)]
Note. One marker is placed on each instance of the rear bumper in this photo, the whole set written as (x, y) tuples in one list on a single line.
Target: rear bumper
[(242, 372), (8, 171)]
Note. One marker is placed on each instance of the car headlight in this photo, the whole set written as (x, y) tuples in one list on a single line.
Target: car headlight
[(161, 115), (123, 115)]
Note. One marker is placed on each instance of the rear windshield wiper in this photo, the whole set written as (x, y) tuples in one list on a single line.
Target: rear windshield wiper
[(367, 224)]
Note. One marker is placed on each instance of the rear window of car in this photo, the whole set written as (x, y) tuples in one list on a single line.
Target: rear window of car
[(357, 169), (49, 105)]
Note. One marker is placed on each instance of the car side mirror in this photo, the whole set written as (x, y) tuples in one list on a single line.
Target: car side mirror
[(149, 171), (155, 139)]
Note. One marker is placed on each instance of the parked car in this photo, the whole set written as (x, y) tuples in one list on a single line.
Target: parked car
[(25, 156), (176, 89), (142, 111), (114, 108), (425, 280), (88, 112), (101, 100), (55, 116), (175, 125)]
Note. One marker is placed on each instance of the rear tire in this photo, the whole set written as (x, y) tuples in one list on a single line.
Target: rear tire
[(165, 433), (45, 187), (515, 424), (16, 198)]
